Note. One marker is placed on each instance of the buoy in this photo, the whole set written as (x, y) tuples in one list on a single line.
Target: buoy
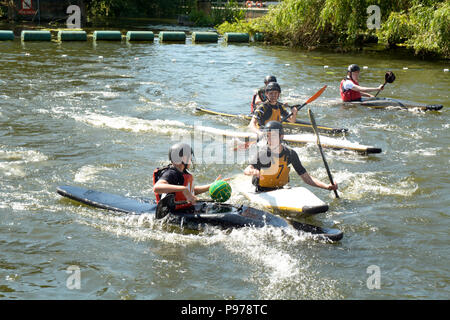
[(107, 35), (325, 67), (173, 36), (35, 35), (69, 35), (405, 68), (365, 67), (237, 37), (6, 35), (204, 37), (140, 36)]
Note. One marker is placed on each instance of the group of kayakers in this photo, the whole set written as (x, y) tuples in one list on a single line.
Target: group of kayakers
[(269, 167)]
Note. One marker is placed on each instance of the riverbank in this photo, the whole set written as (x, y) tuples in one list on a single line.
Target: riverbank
[(421, 29)]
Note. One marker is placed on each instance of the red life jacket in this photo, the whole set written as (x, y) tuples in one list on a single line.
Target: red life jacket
[(179, 196), (349, 95), (262, 98), (253, 104)]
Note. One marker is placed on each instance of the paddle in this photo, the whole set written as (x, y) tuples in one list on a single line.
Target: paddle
[(389, 77), (313, 122), (298, 107), (167, 204)]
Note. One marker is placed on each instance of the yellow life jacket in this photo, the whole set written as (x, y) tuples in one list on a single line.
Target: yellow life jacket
[(277, 175), (275, 114)]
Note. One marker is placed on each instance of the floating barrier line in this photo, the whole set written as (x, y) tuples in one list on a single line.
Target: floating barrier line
[(114, 35)]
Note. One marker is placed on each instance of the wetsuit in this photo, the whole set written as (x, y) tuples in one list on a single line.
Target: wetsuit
[(267, 112)]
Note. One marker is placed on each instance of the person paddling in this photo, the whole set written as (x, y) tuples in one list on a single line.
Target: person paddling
[(271, 110), (351, 90), (270, 166), (260, 95), (175, 178)]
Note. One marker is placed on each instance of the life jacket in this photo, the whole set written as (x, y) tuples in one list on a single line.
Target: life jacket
[(275, 114), (260, 93), (253, 103), (349, 95), (188, 180), (277, 175)]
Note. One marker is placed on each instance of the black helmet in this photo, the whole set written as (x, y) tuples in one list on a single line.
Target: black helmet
[(353, 68), (268, 79), (273, 86), (274, 126), (177, 151)]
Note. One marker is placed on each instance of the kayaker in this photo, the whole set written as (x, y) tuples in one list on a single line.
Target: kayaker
[(271, 110), (351, 90), (260, 96), (175, 178), (270, 166)]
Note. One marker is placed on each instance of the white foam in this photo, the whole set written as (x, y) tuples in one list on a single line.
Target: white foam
[(359, 185), (132, 124), (88, 173), (13, 162), (21, 155)]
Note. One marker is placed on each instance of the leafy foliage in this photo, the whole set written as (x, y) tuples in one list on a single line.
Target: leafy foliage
[(419, 24)]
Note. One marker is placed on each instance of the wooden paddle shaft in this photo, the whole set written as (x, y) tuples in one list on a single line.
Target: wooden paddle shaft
[(313, 123)]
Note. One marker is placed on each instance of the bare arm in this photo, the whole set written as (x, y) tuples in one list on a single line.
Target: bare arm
[(293, 117), (364, 90), (205, 188), (162, 186), (253, 126), (317, 183)]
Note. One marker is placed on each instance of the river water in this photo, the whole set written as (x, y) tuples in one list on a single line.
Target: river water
[(102, 116)]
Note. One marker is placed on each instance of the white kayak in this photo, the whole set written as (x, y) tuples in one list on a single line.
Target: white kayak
[(295, 139), (294, 201)]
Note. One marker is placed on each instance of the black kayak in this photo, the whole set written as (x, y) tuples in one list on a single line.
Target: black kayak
[(382, 103), (204, 213), (299, 124)]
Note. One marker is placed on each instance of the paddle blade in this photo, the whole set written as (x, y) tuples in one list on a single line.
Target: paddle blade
[(165, 206), (316, 95), (389, 77)]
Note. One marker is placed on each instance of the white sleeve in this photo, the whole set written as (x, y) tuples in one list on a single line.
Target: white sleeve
[(348, 85)]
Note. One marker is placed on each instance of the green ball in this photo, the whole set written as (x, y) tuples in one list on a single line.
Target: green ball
[(220, 191)]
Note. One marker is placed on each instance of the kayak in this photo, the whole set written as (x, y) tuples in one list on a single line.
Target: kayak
[(204, 213), (294, 202), (299, 124), (295, 139), (381, 103)]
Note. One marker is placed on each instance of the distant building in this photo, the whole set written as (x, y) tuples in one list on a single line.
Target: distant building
[(44, 10)]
